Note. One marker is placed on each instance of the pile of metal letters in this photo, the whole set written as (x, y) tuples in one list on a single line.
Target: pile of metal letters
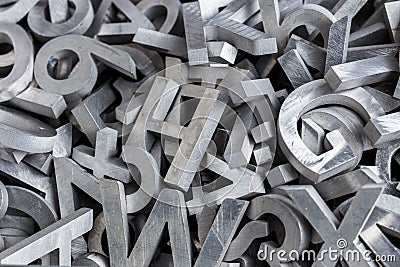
[(207, 133)]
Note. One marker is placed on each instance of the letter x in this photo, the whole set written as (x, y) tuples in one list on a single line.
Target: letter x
[(317, 212)]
